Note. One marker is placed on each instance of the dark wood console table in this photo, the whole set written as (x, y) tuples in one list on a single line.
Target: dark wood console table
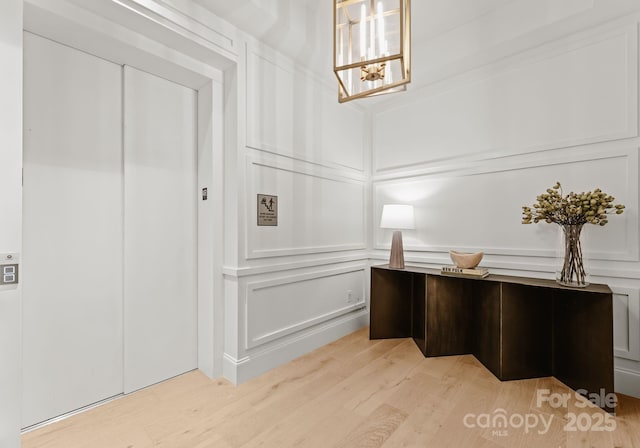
[(516, 327)]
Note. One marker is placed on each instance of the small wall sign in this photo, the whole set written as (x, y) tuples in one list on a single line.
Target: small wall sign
[(267, 210)]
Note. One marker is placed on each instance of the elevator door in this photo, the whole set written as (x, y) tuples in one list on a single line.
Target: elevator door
[(72, 230), (109, 223), (160, 229)]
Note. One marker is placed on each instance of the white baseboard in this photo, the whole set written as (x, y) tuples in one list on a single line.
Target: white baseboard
[(241, 370), (627, 382)]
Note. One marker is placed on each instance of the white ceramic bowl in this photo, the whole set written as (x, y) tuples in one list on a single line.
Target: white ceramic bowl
[(466, 261)]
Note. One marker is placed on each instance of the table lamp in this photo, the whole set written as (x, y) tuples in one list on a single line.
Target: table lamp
[(397, 217)]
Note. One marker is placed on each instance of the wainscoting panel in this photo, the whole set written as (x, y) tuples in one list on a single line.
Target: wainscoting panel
[(480, 210), (278, 307), (318, 211), (286, 285), (493, 27), (569, 93), (291, 114), (626, 323)]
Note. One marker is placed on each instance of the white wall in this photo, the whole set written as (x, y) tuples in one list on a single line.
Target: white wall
[(10, 215), (471, 149), (301, 284)]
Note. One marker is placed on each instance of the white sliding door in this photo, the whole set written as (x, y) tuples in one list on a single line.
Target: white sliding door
[(160, 284), (109, 261), (72, 224)]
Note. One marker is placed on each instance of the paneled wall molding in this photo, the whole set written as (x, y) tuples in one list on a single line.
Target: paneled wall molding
[(307, 166), (516, 267), (627, 273), (504, 31), (624, 25), (281, 333), (470, 150), (262, 50), (273, 150), (271, 268), (314, 312), (304, 300), (301, 167), (627, 320), (334, 196), (618, 165), (293, 113), (521, 252), (509, 268), (287, 286), (262, 359), (419, 130), (494, 163)]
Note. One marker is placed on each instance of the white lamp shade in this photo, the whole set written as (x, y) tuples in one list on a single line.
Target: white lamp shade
[(395, 216)]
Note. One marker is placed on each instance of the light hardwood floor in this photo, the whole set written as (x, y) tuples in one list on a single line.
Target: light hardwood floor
[(351, 393)]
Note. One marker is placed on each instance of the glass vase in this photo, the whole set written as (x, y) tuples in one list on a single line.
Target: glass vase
[(572, 272)]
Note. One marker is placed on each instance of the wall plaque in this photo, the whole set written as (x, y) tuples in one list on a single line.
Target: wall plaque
[(267, 210)]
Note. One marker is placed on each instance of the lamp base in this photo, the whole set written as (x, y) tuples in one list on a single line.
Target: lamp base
[(396, 259)]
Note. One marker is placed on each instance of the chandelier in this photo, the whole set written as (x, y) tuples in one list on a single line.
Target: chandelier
[(371, 47)]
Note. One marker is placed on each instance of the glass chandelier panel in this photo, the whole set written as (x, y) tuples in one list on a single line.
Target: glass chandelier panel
[(371, 47)]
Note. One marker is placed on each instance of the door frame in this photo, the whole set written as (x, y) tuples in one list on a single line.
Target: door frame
[(100, 33)]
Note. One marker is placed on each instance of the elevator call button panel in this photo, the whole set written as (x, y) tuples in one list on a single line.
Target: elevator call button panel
[(9, 270)]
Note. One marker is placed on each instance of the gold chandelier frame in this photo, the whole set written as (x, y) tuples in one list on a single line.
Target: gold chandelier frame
[(371, 69)]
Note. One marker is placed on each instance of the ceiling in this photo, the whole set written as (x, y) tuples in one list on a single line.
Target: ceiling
[(301, 29), (271, 20), (449, 37)]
